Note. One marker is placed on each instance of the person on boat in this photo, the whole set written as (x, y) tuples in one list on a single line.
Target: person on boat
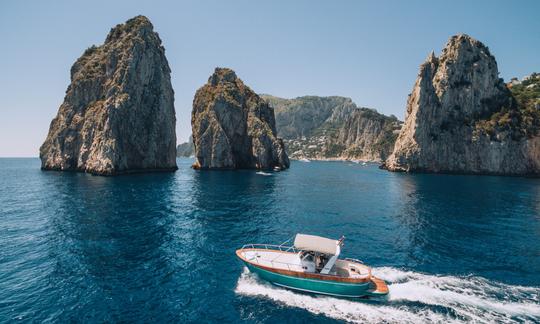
[(321, 262)]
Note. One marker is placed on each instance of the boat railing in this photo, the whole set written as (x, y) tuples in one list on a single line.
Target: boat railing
[(274, 247), (282, 248), (354, 260)]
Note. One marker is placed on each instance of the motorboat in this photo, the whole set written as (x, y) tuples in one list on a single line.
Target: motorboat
[(312, 264)]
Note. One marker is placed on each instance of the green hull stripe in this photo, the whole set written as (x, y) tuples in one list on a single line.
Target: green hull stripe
[(316, 292), (313, 280), (312, 285)]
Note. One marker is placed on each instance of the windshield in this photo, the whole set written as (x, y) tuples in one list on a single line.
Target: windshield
[(307, 257)]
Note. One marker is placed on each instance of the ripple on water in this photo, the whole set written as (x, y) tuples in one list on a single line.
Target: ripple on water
[(160, 247)]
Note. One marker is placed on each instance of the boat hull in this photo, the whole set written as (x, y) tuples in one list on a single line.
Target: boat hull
[(341, 289)]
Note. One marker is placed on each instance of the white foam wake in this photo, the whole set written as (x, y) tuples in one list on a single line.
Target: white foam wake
[(414, 297)]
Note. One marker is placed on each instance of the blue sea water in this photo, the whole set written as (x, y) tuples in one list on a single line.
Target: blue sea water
[(160, 247)]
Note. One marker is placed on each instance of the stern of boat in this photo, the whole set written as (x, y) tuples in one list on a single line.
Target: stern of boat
[(377, 287)]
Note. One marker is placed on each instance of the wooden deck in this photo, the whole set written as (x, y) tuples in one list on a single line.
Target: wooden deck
[(378, 286)]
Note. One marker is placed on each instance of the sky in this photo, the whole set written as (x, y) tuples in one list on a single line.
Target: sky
[(368, 51)]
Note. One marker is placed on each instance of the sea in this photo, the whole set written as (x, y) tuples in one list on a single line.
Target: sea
[(160, 247)]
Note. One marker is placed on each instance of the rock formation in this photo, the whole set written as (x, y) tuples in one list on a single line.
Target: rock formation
[(186, 149), (305, 116), (367, 135), (233, 128), (461, 118), (333, 128), (118, 113)]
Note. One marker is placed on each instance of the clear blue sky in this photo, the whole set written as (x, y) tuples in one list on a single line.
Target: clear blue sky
[(369, 51)]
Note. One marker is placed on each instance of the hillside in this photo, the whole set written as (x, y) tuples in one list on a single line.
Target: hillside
[(333, 128)]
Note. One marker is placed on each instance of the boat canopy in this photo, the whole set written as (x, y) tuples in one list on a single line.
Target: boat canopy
[(316, 244)]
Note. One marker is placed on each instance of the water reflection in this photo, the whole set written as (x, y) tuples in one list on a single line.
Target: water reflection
[(160, 247), (224, 199), (452, 219), (230, 208), (110, 238)]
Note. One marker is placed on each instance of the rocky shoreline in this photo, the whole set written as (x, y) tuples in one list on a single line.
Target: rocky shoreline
[(315, 127), (118, 117)]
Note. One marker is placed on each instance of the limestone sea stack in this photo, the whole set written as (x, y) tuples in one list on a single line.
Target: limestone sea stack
[(234, 128), (118, 113), (462, 118)]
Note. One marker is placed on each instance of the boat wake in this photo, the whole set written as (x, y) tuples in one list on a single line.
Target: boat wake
[(263, 173), (414, 297)]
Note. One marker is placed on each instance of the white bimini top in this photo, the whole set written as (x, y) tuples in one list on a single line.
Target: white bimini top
[(316, 244)]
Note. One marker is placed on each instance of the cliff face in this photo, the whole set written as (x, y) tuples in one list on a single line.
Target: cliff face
[(333, 128), (233, 128), (118, 113), (367, 135), (461, 118), (186, 149), (304, 116)]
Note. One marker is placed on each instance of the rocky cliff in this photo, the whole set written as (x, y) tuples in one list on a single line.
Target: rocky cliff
[(186, 149), (367, 135), (462, 118), (234, 128), (333, 128), (118, 113), (305, 116)]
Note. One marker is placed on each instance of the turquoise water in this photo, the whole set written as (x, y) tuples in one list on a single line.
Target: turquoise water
[(160, 247)]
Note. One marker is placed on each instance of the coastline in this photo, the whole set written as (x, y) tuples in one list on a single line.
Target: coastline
[(338, 159)]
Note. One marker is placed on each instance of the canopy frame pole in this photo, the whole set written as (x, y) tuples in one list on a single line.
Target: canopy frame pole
[(290, 247), (286, 240), (330, 264)]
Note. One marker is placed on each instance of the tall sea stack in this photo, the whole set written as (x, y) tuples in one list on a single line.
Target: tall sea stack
[(462, 118), (234, 128), (118, 113)]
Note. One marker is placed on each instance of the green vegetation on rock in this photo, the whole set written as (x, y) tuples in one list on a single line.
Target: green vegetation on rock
[(333, 128), (521, 118)]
